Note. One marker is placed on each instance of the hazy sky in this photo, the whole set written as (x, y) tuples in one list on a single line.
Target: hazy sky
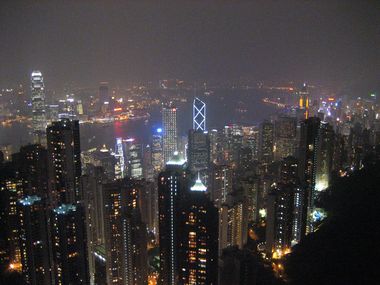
[(84, 42)]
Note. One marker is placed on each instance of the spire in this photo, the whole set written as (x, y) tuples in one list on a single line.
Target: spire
[(198, 185)]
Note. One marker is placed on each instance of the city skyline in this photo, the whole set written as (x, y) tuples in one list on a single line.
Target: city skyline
[(113, 172)]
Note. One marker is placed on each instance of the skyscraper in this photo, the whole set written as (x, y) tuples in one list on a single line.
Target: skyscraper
[(67, 217), (199, 114), (69, 245), (198, 152), (315, 163), (172, 184), (38, 107), (32, 169), (170, 132), (64, 162), (199, 238), (35, 249), (134, 155), (125, 234), (117, 236), (285, 137), (304, 101), (324, 156), (266, 142), (156, 151), (103, 92), (284, 210)]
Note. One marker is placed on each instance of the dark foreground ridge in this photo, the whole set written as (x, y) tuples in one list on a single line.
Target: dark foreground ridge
[(345, 248)]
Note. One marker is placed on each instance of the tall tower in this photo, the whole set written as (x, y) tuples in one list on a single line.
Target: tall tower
[(103, 92), (157, 159), (170, 132), (199, 114), (31, 163), (315, 160), (38, 107), (285, 137), (171, 188), (69, 248), (134, 157), (198, 152), (125, 234), (64, 162), (199, 238), (266, 142), (34, 241), (304, 100), (67, 219)]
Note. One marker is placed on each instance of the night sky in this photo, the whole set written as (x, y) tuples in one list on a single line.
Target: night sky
[(84, 42)]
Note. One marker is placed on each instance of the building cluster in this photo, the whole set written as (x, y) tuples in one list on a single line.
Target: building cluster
[(203, 210)]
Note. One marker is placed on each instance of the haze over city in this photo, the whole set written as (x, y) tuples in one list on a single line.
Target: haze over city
[(83, 42), (189, 142)]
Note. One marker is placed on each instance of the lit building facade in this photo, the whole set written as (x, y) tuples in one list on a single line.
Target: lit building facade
[(170, 132), (315, 164), (199, 115), (64, 162), (266, 142), (125, 234), (172, 184), (285, 137), (35, 250), (199, 238), (38, 107), (134, 156), (198, 151), (69, 245), (156, 151), (304, 101)]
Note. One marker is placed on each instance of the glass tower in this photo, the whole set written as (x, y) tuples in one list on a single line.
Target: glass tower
[(170, 132), (199, 114), (38, 107)]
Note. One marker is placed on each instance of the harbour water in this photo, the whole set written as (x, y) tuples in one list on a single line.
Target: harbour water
[(224, 106)]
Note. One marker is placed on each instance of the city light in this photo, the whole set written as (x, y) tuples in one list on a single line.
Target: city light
[(207, 144)]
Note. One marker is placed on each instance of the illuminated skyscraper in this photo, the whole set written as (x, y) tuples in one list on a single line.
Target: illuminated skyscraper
[(38, 107), (199, 114), (285, 137), (307, 165), (156, 151), (67, 221), (125, 234), (266, 142), (198, 152), (133, 153), (315, 163), (35, 250), (284, 210), (233, 224), (64, 162), (69, 245), (172, 184), (120, 165), (31, 163), (324, 156), (198, 260), (170, 132), (304, 101), (221, 181)]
